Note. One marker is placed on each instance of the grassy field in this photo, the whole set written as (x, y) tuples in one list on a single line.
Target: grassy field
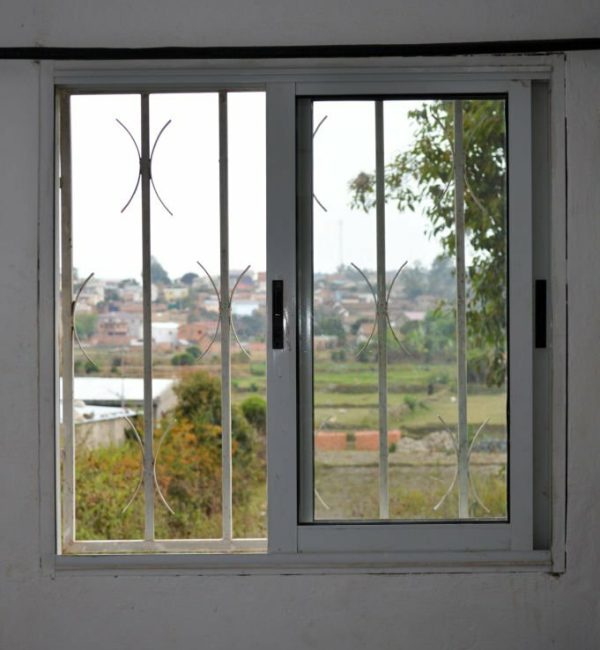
[(415, 420), (346, 398), (346, 394), (351, 491), (347, 482)]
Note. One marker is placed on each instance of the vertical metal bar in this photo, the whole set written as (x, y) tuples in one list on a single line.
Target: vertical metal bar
[(384, 512), (227, 513), (147, 324), (68, 472), (461, 313)]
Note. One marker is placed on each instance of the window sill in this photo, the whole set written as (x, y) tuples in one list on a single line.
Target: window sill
[(305, 563)]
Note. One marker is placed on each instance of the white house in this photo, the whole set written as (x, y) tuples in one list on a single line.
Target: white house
[(101, 426), (165, 333), (124, 392)]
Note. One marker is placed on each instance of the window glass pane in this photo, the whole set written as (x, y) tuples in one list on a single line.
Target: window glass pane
[(185, 314), (487, 340), (199, 391), (107, 357), (247, 247), (401, 451), (344, 272)]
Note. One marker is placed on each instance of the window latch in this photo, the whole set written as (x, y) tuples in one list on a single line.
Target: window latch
[(540, 314), (277, 315)]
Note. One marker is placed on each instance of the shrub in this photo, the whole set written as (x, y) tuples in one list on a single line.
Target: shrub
[(85, 324), (255, 411), (258, 369), (411, 402), (195, 351), (183, 359), (188, 470), (338, 355), (90, 367)]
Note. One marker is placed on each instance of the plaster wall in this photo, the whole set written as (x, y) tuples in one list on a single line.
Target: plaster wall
[(438, 611), (132, 23)]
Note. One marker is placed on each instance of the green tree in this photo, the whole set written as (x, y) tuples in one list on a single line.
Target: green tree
[(199, 399), (415, 281), (255, 411), (421, 177), (439, 328), (158, 274), (85, 324), (442, 280), (128, 282), (357, 323), (250, 326), (195, 351), (199, 402), (183, 359), (111, 295), (329, 324), (188, 278)]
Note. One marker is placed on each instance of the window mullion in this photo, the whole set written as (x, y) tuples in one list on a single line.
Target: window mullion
[(67, 316), (225, 316), (520, 291), (305, 309), (384, 510), (281, 364), (147, 322)]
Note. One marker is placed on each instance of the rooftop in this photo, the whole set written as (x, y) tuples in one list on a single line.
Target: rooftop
[(116, 389)]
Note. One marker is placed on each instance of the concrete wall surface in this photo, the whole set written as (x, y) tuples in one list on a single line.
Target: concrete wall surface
[(144, 23), (491, 611)]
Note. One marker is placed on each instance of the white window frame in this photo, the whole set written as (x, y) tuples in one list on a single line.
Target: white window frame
[(357, 548), (149, 543), (517, 532)]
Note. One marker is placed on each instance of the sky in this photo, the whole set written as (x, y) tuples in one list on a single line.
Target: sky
[(185, 171)]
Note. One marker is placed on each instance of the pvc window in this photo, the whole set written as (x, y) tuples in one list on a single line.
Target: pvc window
[(155, 456), (409, 495), (341, 415)]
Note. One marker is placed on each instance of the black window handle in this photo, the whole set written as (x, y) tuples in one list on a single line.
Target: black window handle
[(277, 314), (540, 314)]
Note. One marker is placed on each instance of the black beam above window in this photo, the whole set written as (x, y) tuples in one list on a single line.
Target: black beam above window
[(539, 46)]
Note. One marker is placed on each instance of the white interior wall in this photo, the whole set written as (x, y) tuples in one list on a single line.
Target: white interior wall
[(131, 23), (454, 611)]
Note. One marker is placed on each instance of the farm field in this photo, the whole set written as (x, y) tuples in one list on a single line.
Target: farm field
[(346, 397), (347, 485), (346, 401), (422, 406)]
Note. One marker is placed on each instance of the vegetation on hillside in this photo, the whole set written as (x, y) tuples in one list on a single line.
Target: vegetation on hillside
[(188, 471)]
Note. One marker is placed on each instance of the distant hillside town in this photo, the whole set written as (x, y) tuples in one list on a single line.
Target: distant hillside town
[(185, 311)]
